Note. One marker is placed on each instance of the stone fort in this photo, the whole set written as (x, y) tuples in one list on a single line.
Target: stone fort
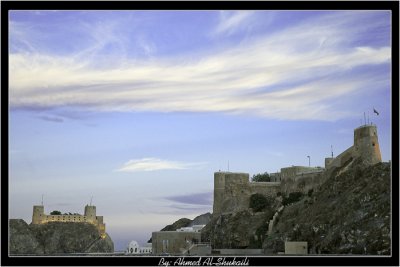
[(39, 217), (232, 191)]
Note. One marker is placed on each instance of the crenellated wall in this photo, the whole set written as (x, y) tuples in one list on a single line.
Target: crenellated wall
[(39, 217)]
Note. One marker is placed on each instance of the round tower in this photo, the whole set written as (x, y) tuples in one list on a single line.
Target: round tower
[(38, 214), (219, 192), (366, 144), (90, 213)]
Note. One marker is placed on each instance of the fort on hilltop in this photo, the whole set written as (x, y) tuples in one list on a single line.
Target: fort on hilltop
[(232, 191), (39, 217)]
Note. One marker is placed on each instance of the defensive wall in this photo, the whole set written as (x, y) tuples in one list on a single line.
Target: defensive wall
[(39, 217), (303, 181), (232, 191)]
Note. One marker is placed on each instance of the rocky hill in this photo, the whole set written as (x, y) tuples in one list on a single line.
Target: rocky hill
[(56, 238), (201, 219), (349, 213)]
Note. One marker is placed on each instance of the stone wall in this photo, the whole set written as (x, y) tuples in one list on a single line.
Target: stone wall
[(296, 248), (302, 183), (232, 191), (291, 172), (270, 189)]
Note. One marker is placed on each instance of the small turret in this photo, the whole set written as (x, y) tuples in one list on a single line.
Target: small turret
[(38, 214)]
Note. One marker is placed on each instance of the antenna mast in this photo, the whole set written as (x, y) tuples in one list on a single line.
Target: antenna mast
[(42, 199), (365, 121), (91, 200), (228, 165), (331, 151)]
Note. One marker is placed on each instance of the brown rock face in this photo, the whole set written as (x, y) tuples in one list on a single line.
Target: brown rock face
[(56, 238)]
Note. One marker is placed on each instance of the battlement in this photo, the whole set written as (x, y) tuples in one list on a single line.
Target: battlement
[(39, 217)]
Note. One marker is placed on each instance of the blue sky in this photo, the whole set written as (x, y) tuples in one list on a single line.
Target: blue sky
[(139, 108)]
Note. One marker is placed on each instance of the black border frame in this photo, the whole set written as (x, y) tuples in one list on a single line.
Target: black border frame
[(393, 6)]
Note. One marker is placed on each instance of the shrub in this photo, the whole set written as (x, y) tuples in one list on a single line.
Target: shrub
[(55, 212), (261, 177), (258, 202), (293, 197), (310, 192)]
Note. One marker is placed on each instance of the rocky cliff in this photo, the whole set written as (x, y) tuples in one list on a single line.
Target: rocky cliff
[(56, 238), (349, 213), (242, 229)]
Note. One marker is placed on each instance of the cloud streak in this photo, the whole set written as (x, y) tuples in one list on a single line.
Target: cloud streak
[(193, 199), (293, 74), (155, 164)]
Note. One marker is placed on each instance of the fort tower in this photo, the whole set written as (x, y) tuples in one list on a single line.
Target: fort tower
[(366, 144), (90, 213), (38, 214), (219, 191)]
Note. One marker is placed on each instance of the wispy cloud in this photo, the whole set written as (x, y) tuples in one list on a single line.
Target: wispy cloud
[(293, 74), (51, 119), (155, 164), (231, 21)]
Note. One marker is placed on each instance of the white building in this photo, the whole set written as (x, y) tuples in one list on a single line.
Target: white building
[(134, 248)]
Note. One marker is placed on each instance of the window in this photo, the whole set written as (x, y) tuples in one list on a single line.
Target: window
[(373, 144)]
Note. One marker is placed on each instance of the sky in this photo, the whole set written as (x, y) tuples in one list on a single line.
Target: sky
[(138, 109)]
